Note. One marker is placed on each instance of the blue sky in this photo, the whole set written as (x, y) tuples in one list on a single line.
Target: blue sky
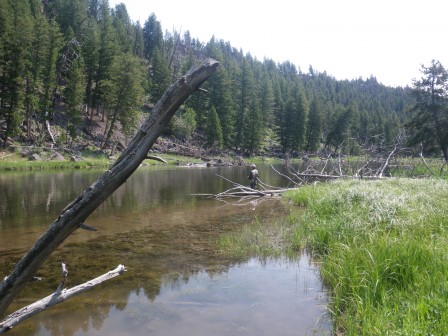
[(388, 39)]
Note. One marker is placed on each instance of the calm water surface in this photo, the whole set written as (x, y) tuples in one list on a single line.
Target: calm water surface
[(177, 283)]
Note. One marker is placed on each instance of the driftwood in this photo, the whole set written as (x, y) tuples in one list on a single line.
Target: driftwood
[(76, 212), (60, 295), (243, 193), (155, 158), (326, 169)]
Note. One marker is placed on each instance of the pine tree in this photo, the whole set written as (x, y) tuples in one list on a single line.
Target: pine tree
[(16, 38), (106, 52), (213, 129), (160, 78), (35, 68), (253, 128), (429, 123), (314, 127), (123, 28), (152, 37), (47, 101), (339, 132), (123, 95), (74, 93), (245, 86)]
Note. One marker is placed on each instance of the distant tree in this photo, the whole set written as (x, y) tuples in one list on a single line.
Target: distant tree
[(267, 99), (339, 132), (16, 38), (74, 93), (107, 50), (253, 127), (123, 95), (314, 126), (245, 86), (160, 76), (152, 37), (296, 109), (429, 123), (35, 69), (220, 98), (50, 71), (123, 28), (90, 53), (138, 47), (213, 129)]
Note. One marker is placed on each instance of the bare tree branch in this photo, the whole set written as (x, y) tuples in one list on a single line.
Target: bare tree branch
[(60, 295)]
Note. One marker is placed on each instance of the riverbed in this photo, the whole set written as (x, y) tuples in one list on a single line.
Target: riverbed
[(177, 281)]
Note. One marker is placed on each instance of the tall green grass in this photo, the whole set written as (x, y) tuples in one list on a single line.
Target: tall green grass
[(383, 246)]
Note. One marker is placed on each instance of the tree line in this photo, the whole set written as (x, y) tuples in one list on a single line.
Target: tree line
[(66, 60)]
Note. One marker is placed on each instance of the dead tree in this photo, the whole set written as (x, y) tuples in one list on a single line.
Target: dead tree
[(75, 214)]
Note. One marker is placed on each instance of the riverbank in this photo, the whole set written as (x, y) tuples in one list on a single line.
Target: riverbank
[(382, 246), (53, 160)]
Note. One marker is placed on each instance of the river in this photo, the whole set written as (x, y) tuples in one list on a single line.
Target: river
[(176, 282)]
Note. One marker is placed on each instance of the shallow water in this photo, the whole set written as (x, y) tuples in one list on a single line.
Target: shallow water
[(177, 282)]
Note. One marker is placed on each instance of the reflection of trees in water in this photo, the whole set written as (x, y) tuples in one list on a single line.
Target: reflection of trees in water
[(167, 253), (153, 258)]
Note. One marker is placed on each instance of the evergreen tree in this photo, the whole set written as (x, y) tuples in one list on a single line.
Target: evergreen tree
[(314, 127), (123, 28), (213, 129), (107, 50), (253, 128), (160, 78), (296, 109), (429, 123), (245, 85), (220, 98), (339, 132), (74, 93), (16, 38), (123, 95), (47, 101), (152, 37), (90, 53), (35, 68), (267, 101)]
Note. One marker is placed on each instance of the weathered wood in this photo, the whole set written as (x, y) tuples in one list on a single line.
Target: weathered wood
[(156, 158), (77, 212), (60, 295)]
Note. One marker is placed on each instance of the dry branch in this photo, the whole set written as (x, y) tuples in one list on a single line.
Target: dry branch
[(60, 295), (76, 213)]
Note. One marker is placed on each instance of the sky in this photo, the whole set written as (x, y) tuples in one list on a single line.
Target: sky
[(389, 39)]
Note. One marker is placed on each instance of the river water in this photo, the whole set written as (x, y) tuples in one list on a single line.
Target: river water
[(177, 282)]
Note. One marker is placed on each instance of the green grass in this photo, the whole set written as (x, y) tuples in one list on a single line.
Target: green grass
[(383, 247), (51, 165)]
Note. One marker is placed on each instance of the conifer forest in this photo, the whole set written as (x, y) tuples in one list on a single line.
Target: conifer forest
[(62, 62)]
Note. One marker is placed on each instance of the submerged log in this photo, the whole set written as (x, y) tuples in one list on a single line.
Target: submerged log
[(72, 217), (60, 295)]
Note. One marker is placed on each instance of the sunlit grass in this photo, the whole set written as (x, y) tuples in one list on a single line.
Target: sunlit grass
[(384, 252), (25, 164)]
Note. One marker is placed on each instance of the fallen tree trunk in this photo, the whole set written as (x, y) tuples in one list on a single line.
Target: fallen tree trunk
[(60, 295), (77, 212)]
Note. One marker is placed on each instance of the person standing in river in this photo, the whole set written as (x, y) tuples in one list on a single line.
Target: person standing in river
[(253, 176)]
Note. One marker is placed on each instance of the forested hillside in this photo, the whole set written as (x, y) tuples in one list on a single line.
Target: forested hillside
[(65, 62)]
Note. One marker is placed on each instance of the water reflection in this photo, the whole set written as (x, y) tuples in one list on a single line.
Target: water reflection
[(257, 297), (177, 281)]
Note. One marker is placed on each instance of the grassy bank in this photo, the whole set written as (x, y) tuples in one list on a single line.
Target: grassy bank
[(15, 162), (383, 247)]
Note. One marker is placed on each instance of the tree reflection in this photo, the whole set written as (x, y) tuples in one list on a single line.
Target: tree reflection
[(166, 237)]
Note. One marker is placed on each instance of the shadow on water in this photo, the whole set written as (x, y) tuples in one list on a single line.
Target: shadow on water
[(177, 280)]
